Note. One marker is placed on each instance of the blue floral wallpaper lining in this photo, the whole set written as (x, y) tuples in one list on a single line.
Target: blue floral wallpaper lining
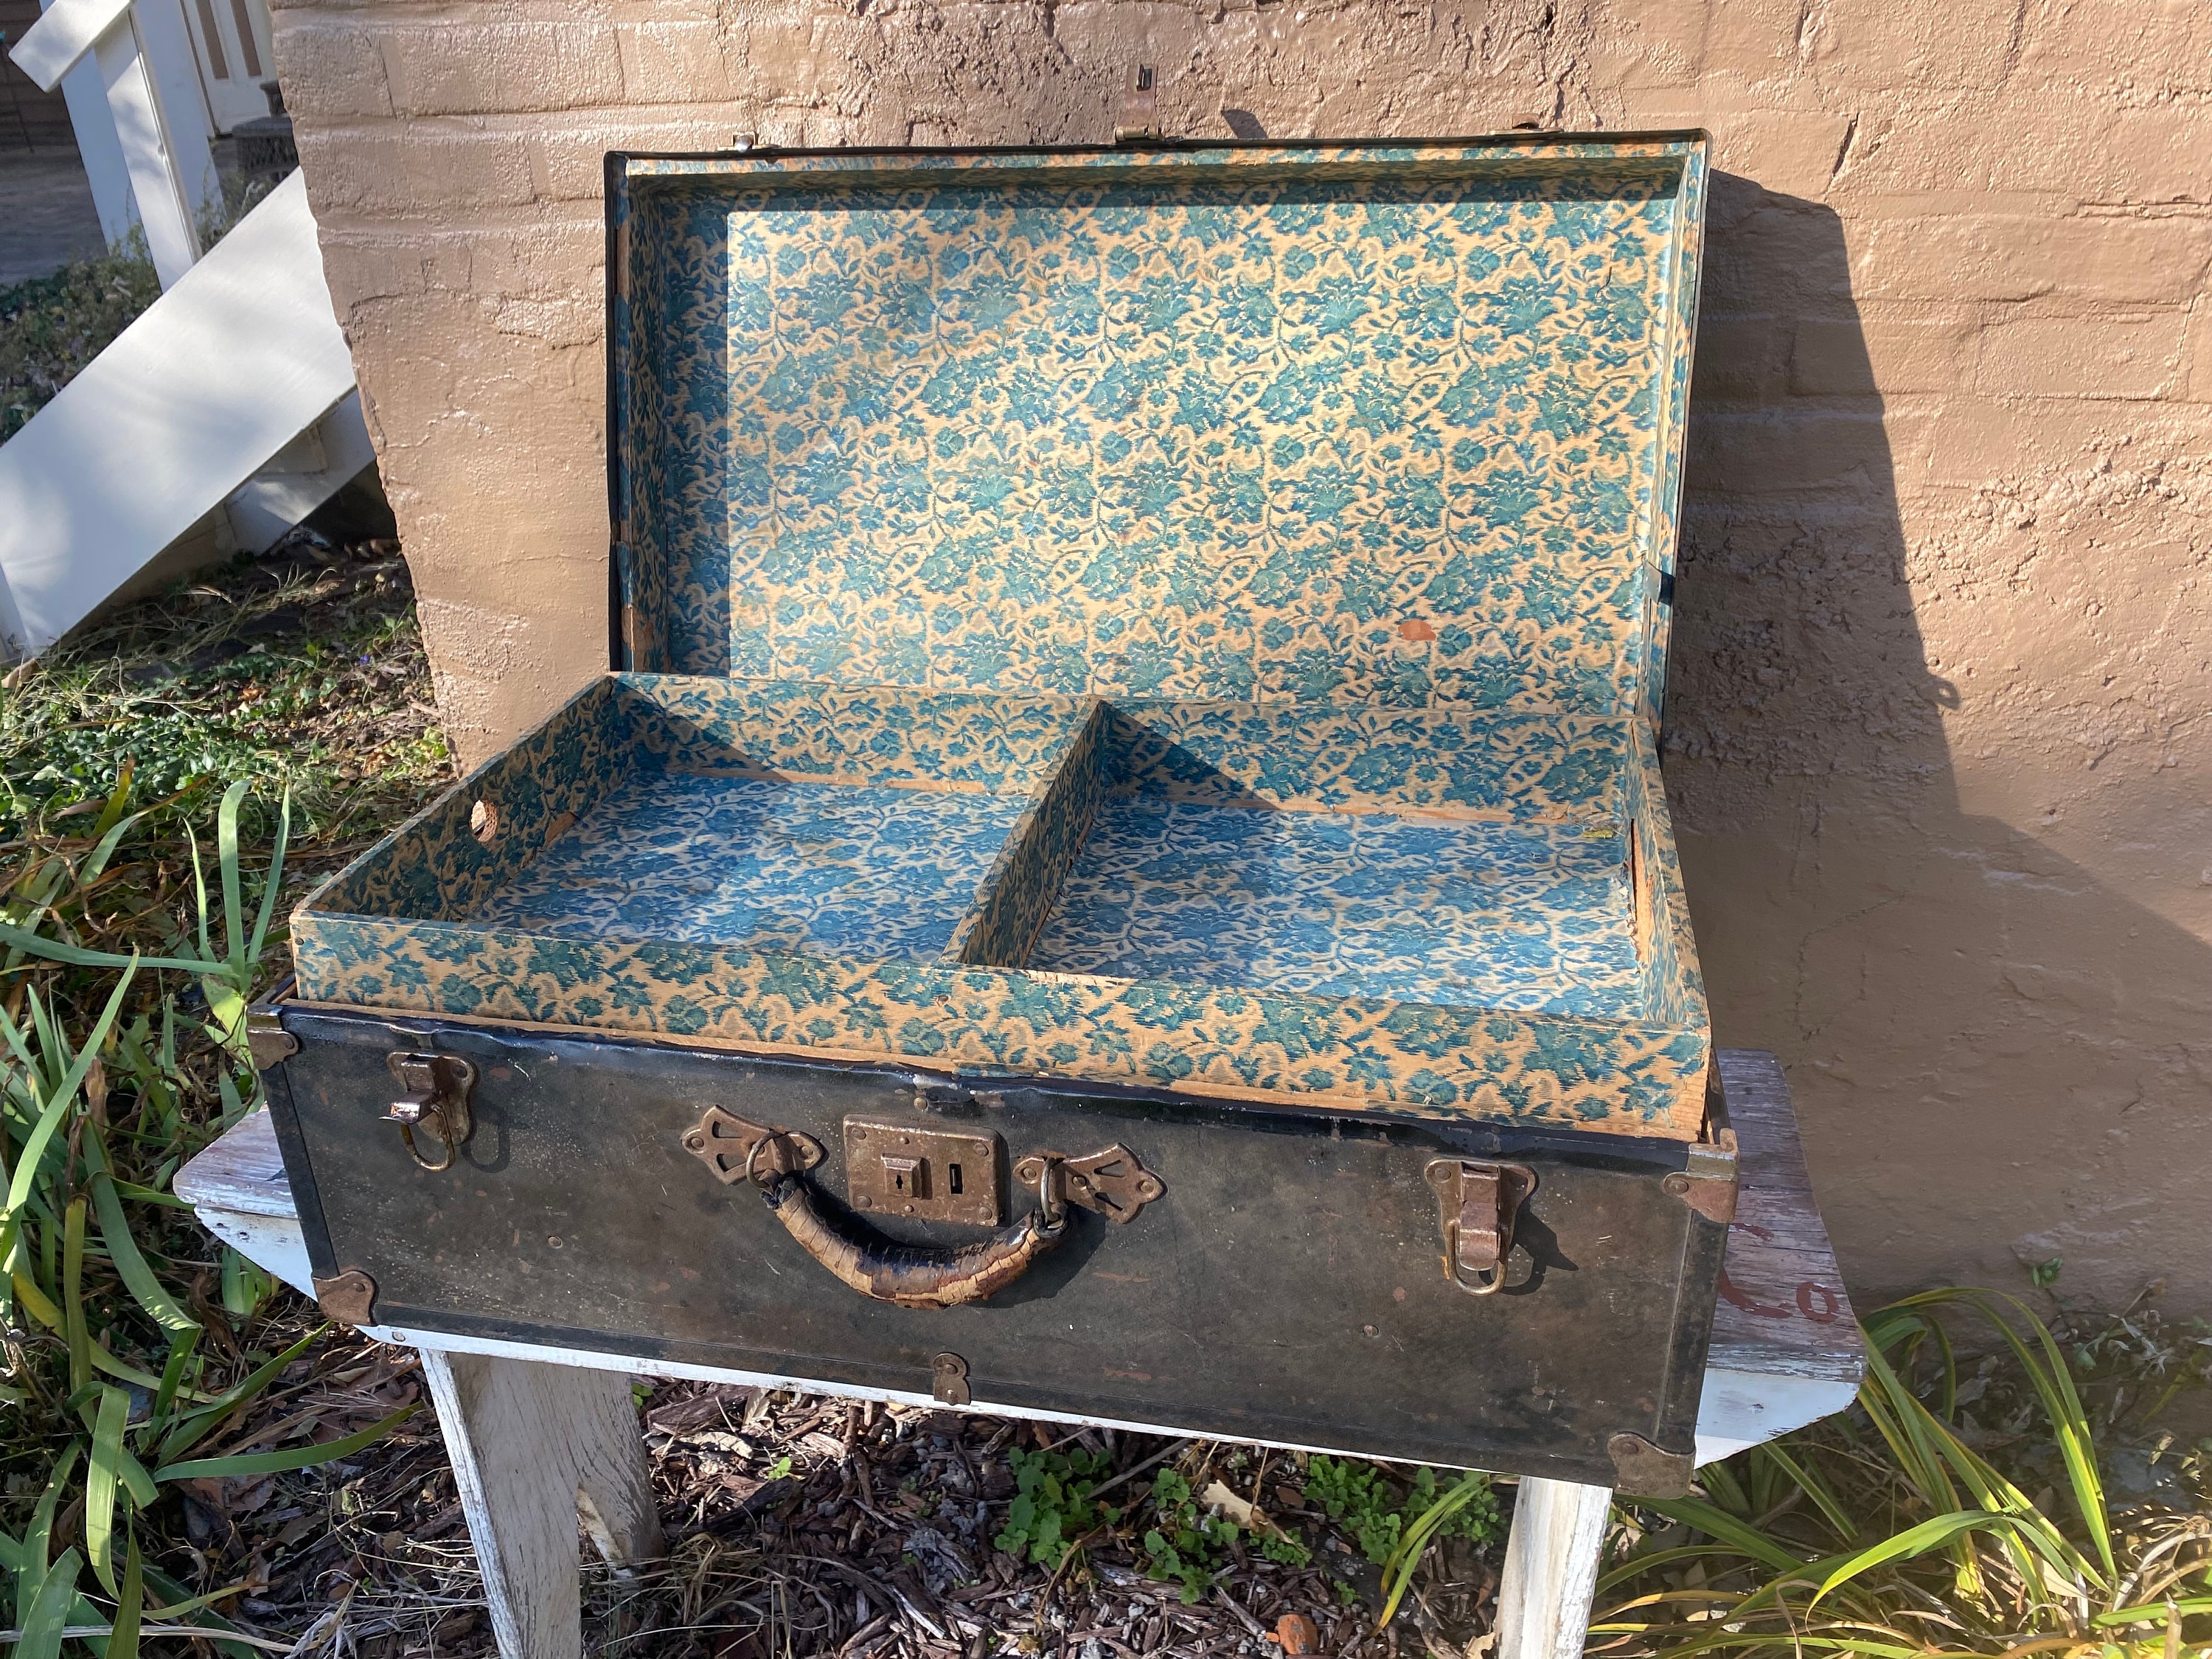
[(835, 868), (1251, 426), (1187, 619), (1487, 916)]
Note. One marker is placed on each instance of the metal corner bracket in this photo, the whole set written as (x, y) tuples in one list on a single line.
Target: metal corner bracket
[(1707, 1183), (1645, 1471), (267, 1038), (348, 1296)]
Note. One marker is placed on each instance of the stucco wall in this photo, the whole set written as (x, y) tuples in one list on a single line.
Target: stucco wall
[(1940, 752)]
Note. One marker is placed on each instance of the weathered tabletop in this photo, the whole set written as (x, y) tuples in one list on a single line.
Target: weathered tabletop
[(1785, 1353)]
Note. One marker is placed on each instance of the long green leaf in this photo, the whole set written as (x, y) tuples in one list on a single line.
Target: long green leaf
[(188, 1429), (99, 1483), (38, 1538), (180, 1599), (137, 1195), (104, 1361), (213, 962), (277, 1463), (58, 1102), (53, 950), (1815, 1489), (123, 1253), (1913, 1541), (181, 1349), (49, 1613), (226, 857), (1719, 1523), (275, 880), (122, 1635), (79, 1332)]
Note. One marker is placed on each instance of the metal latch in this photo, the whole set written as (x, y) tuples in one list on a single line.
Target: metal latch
[(1477, 1204), (436, 1101), (929, 1173)]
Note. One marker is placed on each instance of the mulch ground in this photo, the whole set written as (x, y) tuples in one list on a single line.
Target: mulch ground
[(797, 1525)]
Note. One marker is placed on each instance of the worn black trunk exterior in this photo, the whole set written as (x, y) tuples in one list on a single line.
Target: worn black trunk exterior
[(1288, 1287)]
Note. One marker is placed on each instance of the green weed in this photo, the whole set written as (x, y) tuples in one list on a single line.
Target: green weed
[(1360, 1499), (1052, 1506), (1183, 1545)]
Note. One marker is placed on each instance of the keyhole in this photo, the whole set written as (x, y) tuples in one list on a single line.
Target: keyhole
[(899, 1181), (953, 1176)]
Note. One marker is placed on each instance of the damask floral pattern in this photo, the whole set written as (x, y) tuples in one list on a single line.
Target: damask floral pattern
[(767, 864), (1189, 618), (1478, 915), (1340, 427)]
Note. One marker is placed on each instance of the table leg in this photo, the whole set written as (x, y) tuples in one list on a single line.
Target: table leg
[(535, 1447), (1551, 1569)]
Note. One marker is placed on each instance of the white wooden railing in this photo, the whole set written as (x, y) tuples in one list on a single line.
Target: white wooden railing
[(232, 396)]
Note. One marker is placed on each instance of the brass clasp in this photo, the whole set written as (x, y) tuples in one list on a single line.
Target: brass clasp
[(1477, 1204), (436, 1101)]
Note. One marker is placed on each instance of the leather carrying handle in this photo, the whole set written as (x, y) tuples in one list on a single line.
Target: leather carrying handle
[(906, 1274)]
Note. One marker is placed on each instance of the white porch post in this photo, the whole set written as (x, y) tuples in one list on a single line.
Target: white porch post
[(171, 170)]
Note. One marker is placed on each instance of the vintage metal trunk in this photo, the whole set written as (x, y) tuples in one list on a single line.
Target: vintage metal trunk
[(1121, 868)]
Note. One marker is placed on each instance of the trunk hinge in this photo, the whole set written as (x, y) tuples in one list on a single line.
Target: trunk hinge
[(1139, 121)]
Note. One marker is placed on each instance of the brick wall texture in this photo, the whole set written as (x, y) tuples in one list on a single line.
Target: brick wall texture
[(1940, 727)]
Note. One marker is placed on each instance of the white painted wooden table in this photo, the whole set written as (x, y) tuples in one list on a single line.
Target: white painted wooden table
[(541, 1437)]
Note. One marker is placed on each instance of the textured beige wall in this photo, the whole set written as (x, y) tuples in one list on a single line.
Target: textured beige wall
[(1940, 746)]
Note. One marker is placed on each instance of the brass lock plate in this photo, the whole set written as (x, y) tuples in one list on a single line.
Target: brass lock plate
[(894, 1168)]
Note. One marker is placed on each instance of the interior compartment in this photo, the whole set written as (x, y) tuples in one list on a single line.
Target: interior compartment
[(864, 822), (1471, 857), (1377, 905), (763, 864)]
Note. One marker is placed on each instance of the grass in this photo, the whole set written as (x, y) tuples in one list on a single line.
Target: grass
[(282, 703), (1906, 1526)]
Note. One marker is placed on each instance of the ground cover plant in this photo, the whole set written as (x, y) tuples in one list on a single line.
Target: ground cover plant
[(152, 771), (52, 326)]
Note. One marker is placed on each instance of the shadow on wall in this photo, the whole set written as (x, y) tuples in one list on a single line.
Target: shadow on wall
[(1998, 1062)]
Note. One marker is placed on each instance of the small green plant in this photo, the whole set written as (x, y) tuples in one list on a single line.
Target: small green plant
[(778, 1470), (1184, 1545), (1053, 1507), (1360, 1499), (1468, 1510)]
